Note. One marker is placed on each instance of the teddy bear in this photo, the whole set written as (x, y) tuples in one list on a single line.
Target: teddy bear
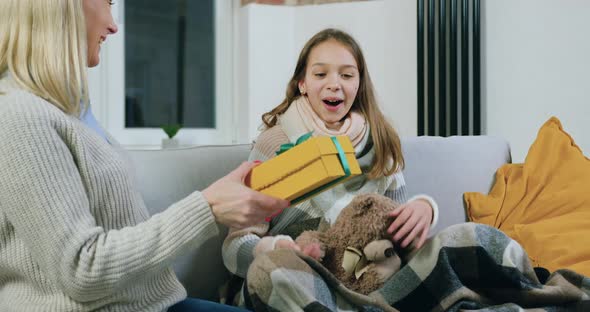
[(356, 248)]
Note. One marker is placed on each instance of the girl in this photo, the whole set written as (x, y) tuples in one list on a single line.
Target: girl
[(331, 94)]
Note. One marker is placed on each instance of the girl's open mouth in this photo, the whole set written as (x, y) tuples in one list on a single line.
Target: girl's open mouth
[(332, 102), (333, 105)]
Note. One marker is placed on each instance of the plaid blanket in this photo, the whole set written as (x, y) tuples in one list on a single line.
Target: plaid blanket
[(465, 267)]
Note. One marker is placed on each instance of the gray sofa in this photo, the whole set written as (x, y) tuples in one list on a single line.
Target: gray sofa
[(444, 168)]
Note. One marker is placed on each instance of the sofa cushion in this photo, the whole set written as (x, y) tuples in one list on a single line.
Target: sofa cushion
[(544, 204)]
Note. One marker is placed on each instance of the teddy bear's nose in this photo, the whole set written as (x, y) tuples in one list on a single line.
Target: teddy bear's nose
[(389, 252)]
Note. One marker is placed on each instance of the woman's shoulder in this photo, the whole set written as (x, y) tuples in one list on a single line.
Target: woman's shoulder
[(24, 111), (17, 103)]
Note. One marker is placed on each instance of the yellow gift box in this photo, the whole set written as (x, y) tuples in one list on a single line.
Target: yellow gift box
[(307, 168)]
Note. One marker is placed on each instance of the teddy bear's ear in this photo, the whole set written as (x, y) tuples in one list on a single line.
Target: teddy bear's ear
[(363, 203)]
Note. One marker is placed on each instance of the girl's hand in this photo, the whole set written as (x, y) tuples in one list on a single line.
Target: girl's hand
[(412, 220)]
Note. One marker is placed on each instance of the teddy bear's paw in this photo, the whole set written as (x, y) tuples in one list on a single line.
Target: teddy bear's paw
[(314, 250), (311, 245), (308, 238)]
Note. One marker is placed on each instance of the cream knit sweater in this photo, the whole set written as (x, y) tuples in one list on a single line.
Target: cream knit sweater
[(75, 234)]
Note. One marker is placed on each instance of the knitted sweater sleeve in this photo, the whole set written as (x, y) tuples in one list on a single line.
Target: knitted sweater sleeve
[(397, 188), (239, 246), (44, 198), (398, 192)]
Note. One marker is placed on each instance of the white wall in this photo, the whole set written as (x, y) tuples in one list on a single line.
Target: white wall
[(536, 65), (271, 37), (535, 62), (264, 50)]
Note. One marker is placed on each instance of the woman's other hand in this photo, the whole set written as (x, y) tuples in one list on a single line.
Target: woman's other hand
[(411, 220), (238, 206)]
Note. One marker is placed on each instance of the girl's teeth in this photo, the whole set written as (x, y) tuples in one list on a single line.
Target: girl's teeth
[(336, 102)]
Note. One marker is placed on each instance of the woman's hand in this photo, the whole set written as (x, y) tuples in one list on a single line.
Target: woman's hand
[(412, 220), (238, 206)]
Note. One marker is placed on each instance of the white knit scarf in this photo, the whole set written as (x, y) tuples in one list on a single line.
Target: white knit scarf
[(300, 119)]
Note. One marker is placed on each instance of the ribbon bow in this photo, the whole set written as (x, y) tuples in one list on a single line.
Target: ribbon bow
[(287, 146)]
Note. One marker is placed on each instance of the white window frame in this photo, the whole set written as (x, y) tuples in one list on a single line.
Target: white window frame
[(107, 87)]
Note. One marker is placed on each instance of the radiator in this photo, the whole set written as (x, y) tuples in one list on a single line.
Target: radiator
[(449, 63)]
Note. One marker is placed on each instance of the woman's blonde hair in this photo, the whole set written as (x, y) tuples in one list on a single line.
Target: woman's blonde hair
[(388, 154), (43, 46)]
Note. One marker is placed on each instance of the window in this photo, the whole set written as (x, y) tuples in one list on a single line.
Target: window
[(170, 63)]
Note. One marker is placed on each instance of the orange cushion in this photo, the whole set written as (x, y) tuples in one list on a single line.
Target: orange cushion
[(558, 242), (544, 204)]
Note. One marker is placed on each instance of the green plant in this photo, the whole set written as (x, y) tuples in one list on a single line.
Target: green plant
[(171, 130)]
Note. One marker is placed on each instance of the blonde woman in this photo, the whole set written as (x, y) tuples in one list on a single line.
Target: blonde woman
[(74, 233)]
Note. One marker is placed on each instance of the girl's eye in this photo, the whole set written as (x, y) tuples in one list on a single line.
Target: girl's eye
[(319, 74), (347, 76)]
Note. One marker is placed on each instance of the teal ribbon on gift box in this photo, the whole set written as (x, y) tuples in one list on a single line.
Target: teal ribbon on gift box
[(287, 146), (341, 157)]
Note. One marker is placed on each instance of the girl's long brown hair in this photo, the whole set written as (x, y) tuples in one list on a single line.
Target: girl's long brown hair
[(388, 154)]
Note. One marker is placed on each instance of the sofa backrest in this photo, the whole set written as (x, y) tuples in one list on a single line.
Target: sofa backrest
[(443, 168), (166, 176)]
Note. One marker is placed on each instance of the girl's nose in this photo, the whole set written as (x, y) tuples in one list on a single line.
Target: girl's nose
[(334, 84), (113, 28)]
